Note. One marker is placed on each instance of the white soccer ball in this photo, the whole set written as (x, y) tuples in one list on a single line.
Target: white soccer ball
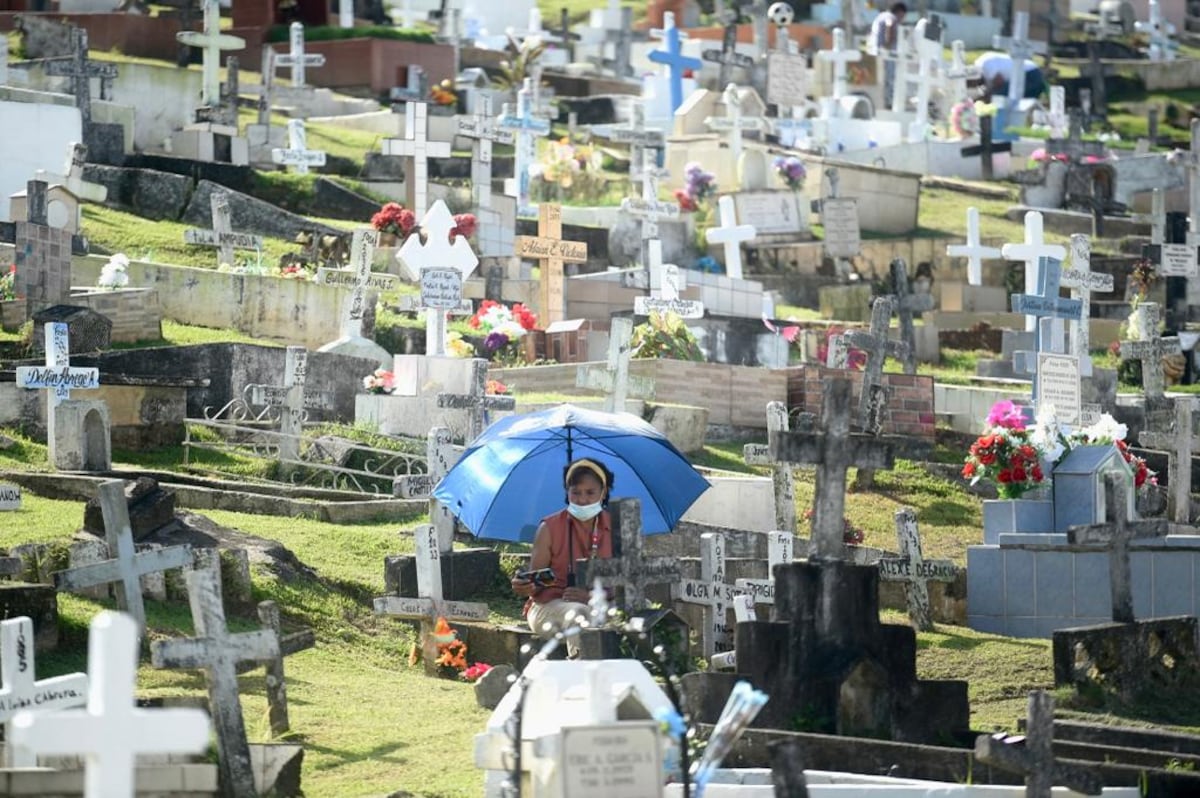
[(781, 13)]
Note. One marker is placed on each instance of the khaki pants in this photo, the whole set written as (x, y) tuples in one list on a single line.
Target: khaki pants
[(554, 615)]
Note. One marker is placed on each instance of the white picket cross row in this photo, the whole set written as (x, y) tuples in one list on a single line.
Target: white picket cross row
[(665, 283), (436, 251), (213, 42), (1031, 252), (417, 147), (296, 57), (111, 732), (1083, 282), (297, 154), (731, 235), (973, 250)]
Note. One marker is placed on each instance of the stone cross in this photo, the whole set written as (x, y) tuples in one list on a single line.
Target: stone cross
[(927, 35), (907, 304), (81, 71), (711, 592), (212, 41), (637, 136), (222, 236), (551, 251), (731, 235), (1097, 106), (298, 155), (781, 473), (622, 41), (1150, 349), (1032, 251), (614, 379), (1019, 49), (126, 567), (841, 55), (436, 251), (728, 57), (477, 402), (986, 148), (1032, 753), (973, 250), (878, 346), (673, 58), (629, 570), (1057, 117), (1159, 32), (1179, 445), (666, 281), (363, 244), (914, 570), (277, 707), (833, 450), (267, 70), (111, 732), (650, 210), (734, 124), (21, 690), (566, 35), (483, 131), (418, 149), (217, 652), (296, 58), (526, 128), (72, 177), (1084, 282)]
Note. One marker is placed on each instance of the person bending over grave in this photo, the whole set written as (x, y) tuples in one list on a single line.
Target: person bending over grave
[(996, 69), (582, 530)]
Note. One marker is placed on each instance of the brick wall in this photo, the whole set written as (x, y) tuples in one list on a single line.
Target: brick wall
[(377, 63), (131, 34), (910, 407)]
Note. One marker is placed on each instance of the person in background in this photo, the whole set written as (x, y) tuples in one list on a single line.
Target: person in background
[(885, 31), (996, 69), (581, 530)]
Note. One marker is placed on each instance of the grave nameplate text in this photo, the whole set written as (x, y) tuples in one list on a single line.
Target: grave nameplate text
[(10, 497), (772, 213), (1178, 260), (441, 288), (1058, 381), (787, 79), (614, 759), (344, 278), (842, 236)]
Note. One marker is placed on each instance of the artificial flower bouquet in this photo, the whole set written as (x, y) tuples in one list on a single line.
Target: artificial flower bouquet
[(502, 326), (394, 218), (791, 171), (380, 381), (1006, 453), (1056, 440), (114, 274)]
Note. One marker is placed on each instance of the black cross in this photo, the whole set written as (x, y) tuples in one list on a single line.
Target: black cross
[(35, 203), (986, 147), (564, 33), (728, 56), (81, 71)]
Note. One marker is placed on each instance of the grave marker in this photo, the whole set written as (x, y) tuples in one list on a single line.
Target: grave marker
[(780, 551), (673, 58), (418, 149), (781, 473), (436, 251), (1084, 282), (1058, 385), (277, 707), (416, 87), (839, 216), (1096, 106), (72, 177), (958, 73), (973, 250), (42, 253), (914, 570), (80, 70), (665, 283), (629, 570), (363, 243), (495, 238), (1178, 445), (58, 377), (735, 124), (477, 402), (551, 251), (221, 235), (787, 80), (730, 235), (614, 379), (526, 127), (1049, 307), (1159, 32), (711, 592), (1057, 117), (1019, 49), (637, 136), (906, 304), (1032, 251), (296, 58), (878, 347), (297, 154), (111, 732), (217, 652), (440, 455), (10, 497), (840, 56), (293, 401), (728, 57), (986, 148), (212, 42), (3, 61), (1150, 349), (650, 210)]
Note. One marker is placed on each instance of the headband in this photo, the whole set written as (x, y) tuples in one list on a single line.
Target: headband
[(591, 466)]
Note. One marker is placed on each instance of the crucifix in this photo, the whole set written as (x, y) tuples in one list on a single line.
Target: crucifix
[(614, 379), (712, 592), (914, 570), (1019, 49), (973, 250), (878, 346), (212, 41), (728, 57), (731, 235), (296, 58), (58, 376), (986, 148), (431, 248), (298, 155), (419, 149), (222, 236), (907, 304), (672, 58), (1150, 349), (80, 70), (1084, 282), (483, 132), (735, 124), (781, 473), (526, 128), (1032, 251), (112, 731), (630, 571), (1179, 445), (549, 248)]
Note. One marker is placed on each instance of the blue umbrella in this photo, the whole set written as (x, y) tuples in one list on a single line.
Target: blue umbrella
[(510, 477)]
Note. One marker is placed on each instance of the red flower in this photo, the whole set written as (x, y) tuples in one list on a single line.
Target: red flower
[(987, 458), (1018, 473), (1004, 476), (464, 225), (968, 470), (686, 203), (1037, 473), (524, 316)]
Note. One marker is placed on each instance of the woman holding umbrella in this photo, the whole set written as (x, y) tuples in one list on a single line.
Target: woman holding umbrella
[(582, 530)]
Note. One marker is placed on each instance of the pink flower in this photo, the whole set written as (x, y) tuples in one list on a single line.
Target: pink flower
[(1006, 414)]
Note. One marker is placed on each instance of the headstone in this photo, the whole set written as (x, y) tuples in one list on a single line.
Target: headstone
[(673, 58), (1149, 348), (1047, 306), (217, 652), (1032, 251), (914, 570), (212, 41), (906, 304), (839, 216), (222, 236), (419, 149), (614, 379), (111, 733), (72, 179), (650, 210), (973, 250), (665, 283), (436, 251), (551, 251), (477, 402), (712, 592), (526, 127), (1057, 116), (629, 570), (42, 253), (1084, 282), (296, 57), (878, 347), (298, 155), (781, 473), (1179, 445)]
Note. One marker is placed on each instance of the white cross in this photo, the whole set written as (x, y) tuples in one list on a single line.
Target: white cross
[(436, 251), (650, 209), (1157, 216), (213, 42), (781, 473), (902, 79), (525, 126), (362, 252), (346, 13), (973, 251), (731, 235), (222, 235), (958, 73), (1057, 118), (58, 374), (712, 592), (21, 690), (929, 58), (1031, 251), (495, 238), (665, 283), (840, 55), (735, 124), (440, 455), (1019, 49), (757, 591), (112, 732), (1191, 162), (419, 149), (1159, 31), (1084, 282), (614, 379), (72, 177), (296, 57), (297, 154), (637, 136)]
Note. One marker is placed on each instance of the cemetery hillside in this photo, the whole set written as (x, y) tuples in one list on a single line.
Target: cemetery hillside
[(599, 399)]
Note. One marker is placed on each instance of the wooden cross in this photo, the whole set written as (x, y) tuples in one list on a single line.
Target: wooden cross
[(112, 732), (731, 235), (1178, 445), (914, 570), (477, 402), (549, 248), (1084, 282), (673, 58), (298, 155), (1150, 349), (614, 379), (126, 567), (629, 570), (973, 250), (1019, 49), (222, 236), (80, 70), (906, 304), (637, 136), (277, 706), (526, 128), (711, 592), (212, 41), (986, 148), (728, 57), (217, 652), (666, 281), (296, 57), (781, 473), (436, 251), (418, 149), (833, 450), (840, 56), (878, 346), (1032, 753), (1032, 251), (483, 131), (21, 690)]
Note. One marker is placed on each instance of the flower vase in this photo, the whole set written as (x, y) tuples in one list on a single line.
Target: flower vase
[(1005, 516)]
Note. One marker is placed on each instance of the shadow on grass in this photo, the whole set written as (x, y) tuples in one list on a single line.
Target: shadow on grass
[(380, 753)]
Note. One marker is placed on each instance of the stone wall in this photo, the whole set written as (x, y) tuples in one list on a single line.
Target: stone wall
[(910, 409), (135, 313)]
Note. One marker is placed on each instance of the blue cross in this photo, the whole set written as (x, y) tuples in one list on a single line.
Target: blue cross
[(673, 58), (1046, 305)]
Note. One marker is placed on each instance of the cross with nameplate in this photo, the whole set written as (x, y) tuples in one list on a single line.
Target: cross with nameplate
[(477, 402), (840, 56), (552, 252), (483, 131), (58, 376), (731, 235), (363, 244), (637, 136), (296, 58), (418, 149), (734, 124), (630, 571), (212, 41), (217, 652), (297, 155), (914, 570), (907, 304), (1084, 282), (1150, 349), (440, 455), (112, 731), (672, 58), (833, 450), (437, 251), (711, 592), (1178, 444), (126, 566), (750, 592), (1032, 252), (72, 177), (1019, 49), (80, 70), (878, 346), (958, 73), (758, 454), (614, 379), (294, 402), (650, 210), (1045, 305), (973, 250), (666, 281), (526, 127), (728, 57), (222, 236)]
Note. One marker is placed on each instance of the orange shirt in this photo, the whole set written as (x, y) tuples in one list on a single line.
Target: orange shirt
[(565, 550)]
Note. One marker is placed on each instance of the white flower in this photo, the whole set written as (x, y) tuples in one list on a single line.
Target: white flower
[(1106, 430), (1045, 434), (113, 275)]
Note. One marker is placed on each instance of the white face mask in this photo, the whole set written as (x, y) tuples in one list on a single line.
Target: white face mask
[(585, 512)]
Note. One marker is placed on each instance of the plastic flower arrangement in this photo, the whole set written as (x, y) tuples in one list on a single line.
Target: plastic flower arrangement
[(394, 218), (568, 166), (457, 346), (791, 171), (964, 119), (464, 225), (698, 183), (296, 271), (1057, 440), (476, 672), (496, 388), (114, 274), (1006, 453), (379, 381), (502, 327), (8, 284), (452, 653), (1040, 155)]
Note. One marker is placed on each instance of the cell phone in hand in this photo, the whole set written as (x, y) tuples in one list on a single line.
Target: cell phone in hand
[(542, 577)]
